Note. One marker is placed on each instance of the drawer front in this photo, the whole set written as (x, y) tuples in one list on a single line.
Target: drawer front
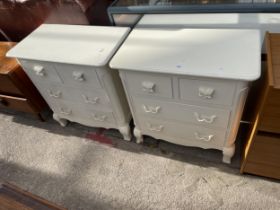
[(40, 71), (212, 91), (270, 117), (182, 112), (20, 104), (74, 112), (7, 86), (95, 98), (149, 84), (265, 150), (263, 156), (78, 76), (183, 133)]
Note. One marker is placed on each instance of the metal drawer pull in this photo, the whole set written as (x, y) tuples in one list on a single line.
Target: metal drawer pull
[(90, 101), (101, 118), (39, 70), (79, 76), (151, 109), (62, 111), (203, 138), (55, 95), (204, 118), (155, 128), (148, 86), (206, 92)]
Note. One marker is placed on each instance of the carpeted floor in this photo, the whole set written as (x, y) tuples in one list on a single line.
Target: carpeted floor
[(85, 168)]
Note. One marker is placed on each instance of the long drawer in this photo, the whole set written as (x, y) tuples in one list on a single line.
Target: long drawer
[(95, 98), (183, 134), (181, 112), (21, 104), (74, 112)]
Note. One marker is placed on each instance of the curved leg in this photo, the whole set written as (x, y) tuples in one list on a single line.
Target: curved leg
[(62, 122), (125, 131), (228, 152), (138, 135)]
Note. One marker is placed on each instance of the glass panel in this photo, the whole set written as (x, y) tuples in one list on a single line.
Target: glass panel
[(188, 2), (126, 19)]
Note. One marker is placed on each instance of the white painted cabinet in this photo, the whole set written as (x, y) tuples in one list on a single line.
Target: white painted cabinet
[(69, 66), (189, 86)]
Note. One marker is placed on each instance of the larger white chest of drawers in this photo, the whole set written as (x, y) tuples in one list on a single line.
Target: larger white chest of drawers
[(189, 86), (69, 66)]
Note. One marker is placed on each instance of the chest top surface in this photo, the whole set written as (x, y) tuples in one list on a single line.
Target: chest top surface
[(217, 53), (71, 44)]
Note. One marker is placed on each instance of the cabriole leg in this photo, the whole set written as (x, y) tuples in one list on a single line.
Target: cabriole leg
[(228, 153), (125, 131), (62, 122), (138, 135)]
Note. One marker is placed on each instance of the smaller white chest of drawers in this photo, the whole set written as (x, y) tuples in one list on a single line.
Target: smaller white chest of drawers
[(69, 66), (189, 86)]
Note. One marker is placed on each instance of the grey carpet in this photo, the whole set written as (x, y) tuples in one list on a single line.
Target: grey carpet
[(68, 167)]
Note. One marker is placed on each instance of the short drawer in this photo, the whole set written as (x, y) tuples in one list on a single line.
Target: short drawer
[(183, 133), (207, 91), (74, 112), (94, 98), (20, 104), (182, 112), (149, 84), (78, 76), (39, 71)]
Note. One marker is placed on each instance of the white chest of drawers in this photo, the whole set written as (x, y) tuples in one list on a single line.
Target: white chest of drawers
[(69, 66), (188, 86)]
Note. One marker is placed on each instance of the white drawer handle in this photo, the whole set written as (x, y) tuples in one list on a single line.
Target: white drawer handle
[(65, 112), (155, 128), (205, 92), (101, 118), (148, 86), (90, 101), (204, 118), (55, 95), (39, 70), (78, 76), (203, 138), (151, 109)]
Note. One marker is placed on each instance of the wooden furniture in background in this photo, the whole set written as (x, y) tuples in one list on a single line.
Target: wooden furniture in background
[(262, 150), (16, 89), (14, 198), (20, 18)]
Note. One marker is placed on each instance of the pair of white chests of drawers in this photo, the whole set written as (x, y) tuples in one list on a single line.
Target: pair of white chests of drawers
[(190, 106)]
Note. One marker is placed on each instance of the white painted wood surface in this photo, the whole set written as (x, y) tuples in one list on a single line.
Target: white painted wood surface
[(214, 53), (71, 44)]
